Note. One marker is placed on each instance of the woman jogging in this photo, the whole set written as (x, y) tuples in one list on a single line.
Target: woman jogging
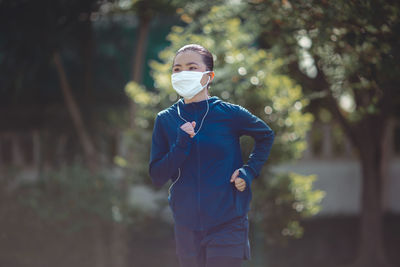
[(195, 143)]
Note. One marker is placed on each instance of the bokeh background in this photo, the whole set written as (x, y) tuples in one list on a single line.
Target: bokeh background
[(81, 82)]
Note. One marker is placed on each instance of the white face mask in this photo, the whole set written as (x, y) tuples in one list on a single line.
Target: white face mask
[(187, 83)]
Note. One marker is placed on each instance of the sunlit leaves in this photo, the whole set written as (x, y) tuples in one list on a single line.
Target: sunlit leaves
[(347, 40), (138, 93), (284, 200), (120, 161)]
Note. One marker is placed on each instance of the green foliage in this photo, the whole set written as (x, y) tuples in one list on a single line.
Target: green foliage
[(144, 8), (138, 93), (73, 194), (138, 137), (282, 201), (31, 32), (349, 47), (136, 153), (77, 200)]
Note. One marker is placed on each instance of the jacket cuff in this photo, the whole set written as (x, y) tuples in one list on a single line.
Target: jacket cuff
[(183, 139), (247, 174)]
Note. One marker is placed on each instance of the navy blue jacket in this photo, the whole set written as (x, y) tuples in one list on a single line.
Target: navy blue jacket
[(203, 195)]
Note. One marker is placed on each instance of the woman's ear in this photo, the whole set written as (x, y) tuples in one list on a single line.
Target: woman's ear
[(212, 74)]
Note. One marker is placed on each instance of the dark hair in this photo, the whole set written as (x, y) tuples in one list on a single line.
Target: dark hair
[(204, 53)]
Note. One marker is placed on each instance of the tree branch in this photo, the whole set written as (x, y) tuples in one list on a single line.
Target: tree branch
[(321, 84), (73, 109)]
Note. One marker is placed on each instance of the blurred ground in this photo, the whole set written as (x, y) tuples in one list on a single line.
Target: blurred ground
[(31, 242)]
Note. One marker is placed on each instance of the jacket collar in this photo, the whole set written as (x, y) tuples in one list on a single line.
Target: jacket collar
[(197, 105)]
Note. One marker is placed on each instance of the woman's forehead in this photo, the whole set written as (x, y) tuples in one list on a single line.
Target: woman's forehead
[(188, 57)]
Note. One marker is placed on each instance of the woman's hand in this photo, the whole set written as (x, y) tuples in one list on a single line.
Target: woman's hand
[(188, 127), (240, 183)]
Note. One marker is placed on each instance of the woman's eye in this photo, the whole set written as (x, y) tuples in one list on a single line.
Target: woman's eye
[(192, 68), (176, 70)]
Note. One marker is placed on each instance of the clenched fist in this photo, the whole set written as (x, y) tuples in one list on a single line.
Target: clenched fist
[(188, 127), (240, 183)]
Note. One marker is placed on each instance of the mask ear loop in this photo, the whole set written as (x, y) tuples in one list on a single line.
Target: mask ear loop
[(208, 82), (209, 78), (208, 107)]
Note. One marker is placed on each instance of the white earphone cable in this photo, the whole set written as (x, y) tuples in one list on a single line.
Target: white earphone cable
[(201, 124), (176, 180), (202, 120)]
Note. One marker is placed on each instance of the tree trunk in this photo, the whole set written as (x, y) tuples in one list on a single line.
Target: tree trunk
[(119, 245), (371, 251), (138, 60), (119, 240), (99, 248), (76, 116), (86, 50), (87, 55)]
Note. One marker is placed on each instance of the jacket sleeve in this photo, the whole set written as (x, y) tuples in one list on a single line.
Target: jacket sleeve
[(165, 160), (249, 124)]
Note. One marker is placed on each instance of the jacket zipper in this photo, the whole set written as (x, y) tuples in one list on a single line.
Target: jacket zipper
[(198, 185), (198, 180)]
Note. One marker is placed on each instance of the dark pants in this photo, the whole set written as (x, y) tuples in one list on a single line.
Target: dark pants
[(223, 245), (211, 262)]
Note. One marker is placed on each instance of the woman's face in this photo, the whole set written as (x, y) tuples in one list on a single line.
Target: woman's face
[(190, 61)]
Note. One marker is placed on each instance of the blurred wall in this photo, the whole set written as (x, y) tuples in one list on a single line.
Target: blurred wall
[(341, 180)]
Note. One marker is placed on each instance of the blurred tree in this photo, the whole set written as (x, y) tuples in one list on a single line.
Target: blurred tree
[(247, 76), (34, 35), (348, 51), (145, 12)]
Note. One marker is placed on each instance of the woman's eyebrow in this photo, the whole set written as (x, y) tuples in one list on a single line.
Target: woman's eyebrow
[(190, 63), (187, 64)]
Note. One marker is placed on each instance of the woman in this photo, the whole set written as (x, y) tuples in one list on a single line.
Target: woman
[(195, 143)]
